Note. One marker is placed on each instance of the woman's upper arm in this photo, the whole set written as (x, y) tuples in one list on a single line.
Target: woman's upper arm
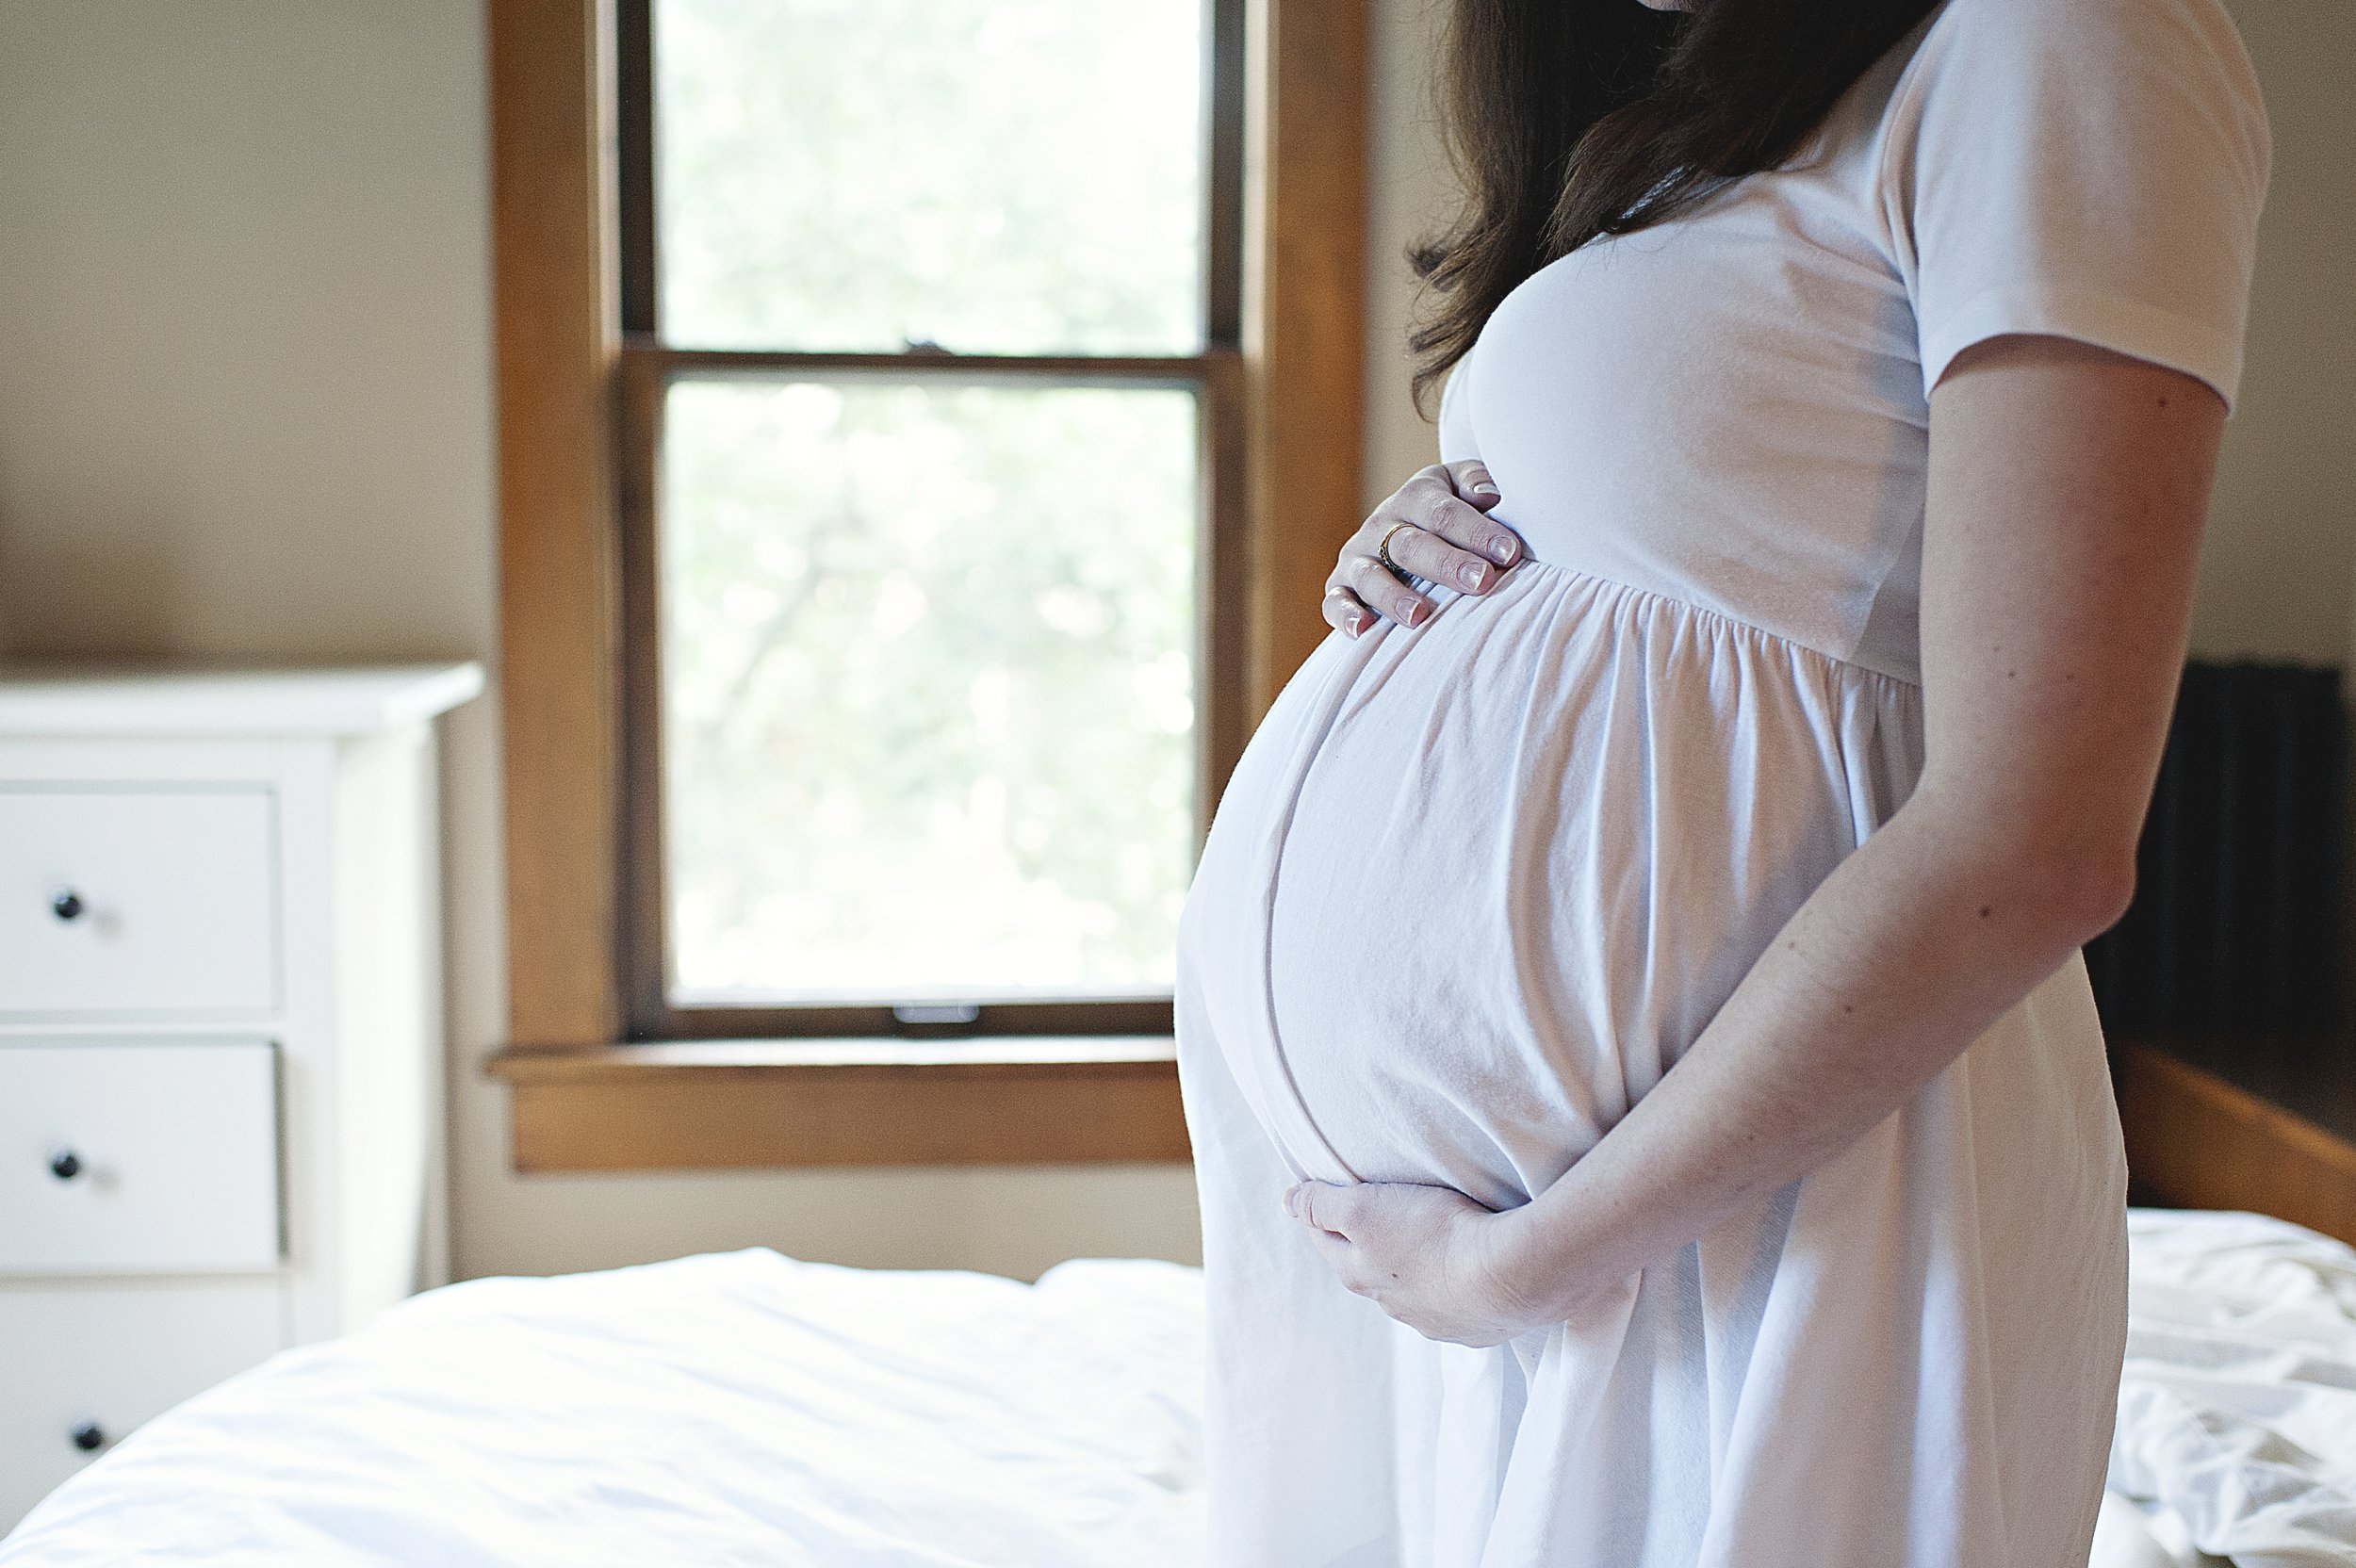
[(2068, 486), (2073, 194)]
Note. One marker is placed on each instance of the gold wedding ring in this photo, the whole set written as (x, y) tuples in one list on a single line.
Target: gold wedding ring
[(1382, 551)]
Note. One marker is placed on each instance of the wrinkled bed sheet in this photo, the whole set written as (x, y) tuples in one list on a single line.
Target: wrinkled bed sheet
[(733, 1408), (2237, 1407), (746, 1408)]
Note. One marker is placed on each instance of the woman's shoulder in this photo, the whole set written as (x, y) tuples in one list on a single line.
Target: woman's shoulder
[(2088, 168), (2123, 86), (2047, 22), (2098, 47)]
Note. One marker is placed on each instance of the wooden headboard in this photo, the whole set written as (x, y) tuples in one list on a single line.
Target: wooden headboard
[(2197, 1139)]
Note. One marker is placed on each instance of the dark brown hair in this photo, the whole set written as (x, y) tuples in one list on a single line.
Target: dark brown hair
[(1570, 119)]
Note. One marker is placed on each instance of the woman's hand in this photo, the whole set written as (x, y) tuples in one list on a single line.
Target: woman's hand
[(1437, 530), (1431, 1257)]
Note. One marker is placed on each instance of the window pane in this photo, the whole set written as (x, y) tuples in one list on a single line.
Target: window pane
[(928, 689), (1001, 176)]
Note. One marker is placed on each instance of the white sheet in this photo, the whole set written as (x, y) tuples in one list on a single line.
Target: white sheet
[(733, 1408), (745, 1409), (2237, 1407)]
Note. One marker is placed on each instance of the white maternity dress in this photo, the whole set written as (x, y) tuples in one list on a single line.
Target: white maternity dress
[(1475, 885)]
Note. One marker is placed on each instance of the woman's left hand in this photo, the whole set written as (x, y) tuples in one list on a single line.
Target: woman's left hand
[(1429, 1257)]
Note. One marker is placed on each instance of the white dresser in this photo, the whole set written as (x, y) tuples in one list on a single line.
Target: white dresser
[(220, 1031)]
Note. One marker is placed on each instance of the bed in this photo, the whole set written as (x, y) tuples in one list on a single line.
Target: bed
[(746, 1408)]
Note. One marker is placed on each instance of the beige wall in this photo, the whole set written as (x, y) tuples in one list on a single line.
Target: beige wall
[(1408, 190), (2279, 574), (245, 409), (2278, 577)]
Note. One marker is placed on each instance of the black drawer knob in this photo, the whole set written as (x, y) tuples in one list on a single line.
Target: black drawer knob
[(64, 1163), (67, 905), (89, 1437)]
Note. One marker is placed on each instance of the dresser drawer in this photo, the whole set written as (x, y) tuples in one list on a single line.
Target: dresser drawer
[(139, 1158), (97, 1363), (137, 901)]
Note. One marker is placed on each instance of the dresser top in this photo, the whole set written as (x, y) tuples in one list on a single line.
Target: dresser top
[(223, 700)]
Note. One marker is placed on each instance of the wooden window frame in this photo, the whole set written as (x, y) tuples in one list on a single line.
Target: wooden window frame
[(1282, 401)]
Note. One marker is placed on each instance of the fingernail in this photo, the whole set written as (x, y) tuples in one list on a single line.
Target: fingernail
[(1502, 548), (1470, 574), (1409, 610), (1483, 488)]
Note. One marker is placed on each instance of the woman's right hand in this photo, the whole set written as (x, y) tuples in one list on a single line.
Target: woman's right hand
[(1438, 529)]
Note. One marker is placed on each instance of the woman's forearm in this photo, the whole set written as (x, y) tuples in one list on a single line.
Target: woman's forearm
[(1902, 957), (2062, 528), (2061, 532)]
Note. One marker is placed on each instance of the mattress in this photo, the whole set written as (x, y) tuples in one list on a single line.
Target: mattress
[(746, 1408)]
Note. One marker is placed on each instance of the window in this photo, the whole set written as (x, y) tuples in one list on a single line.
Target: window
[(663, 429), (927, 309)]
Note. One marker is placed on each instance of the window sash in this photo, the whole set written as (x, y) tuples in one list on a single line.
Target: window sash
[(1223, 110), (647, 371)]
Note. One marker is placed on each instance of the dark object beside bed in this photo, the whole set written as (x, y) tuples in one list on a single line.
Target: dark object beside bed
[(2238, 925)]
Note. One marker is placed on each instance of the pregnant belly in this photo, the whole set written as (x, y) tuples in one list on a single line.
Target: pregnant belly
[(1474, 888)]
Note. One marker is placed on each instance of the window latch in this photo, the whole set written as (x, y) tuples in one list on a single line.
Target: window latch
[(935, 1015)]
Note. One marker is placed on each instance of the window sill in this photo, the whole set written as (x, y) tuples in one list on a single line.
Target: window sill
[(772, 1104)]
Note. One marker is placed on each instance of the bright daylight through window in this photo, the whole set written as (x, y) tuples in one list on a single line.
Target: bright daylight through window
[(928, 679)]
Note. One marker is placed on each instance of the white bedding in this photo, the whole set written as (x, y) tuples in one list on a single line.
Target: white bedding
[(734, 1409), (745, 1409), (2237, 1406)]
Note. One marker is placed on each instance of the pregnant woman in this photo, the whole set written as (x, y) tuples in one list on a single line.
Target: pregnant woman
[(1648, 1106)]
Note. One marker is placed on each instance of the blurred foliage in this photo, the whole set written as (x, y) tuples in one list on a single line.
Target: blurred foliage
[(928, 672), (1004, 176), (928, 687)]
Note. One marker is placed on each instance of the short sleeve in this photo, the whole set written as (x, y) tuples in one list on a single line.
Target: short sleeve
[(2086, 168)]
